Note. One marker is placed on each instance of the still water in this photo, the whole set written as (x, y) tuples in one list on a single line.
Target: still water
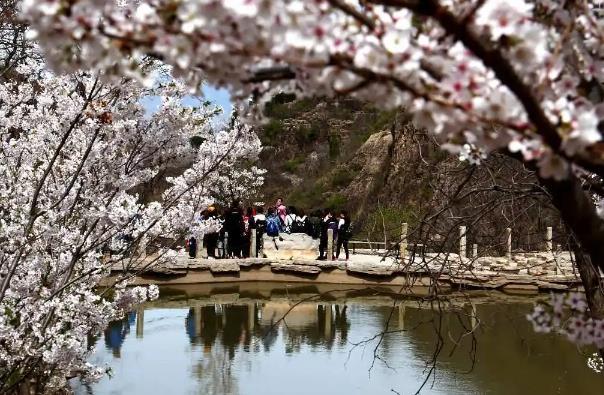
[(231, 341)]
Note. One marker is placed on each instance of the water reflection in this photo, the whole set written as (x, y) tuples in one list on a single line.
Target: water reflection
[(214, 344), (254, 325), (116, 333)]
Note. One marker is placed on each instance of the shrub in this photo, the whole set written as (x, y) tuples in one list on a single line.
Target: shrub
[(341, 177), (271, 131), (291, 165)]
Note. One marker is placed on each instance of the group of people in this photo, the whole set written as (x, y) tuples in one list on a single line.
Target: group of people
[(234, 239)]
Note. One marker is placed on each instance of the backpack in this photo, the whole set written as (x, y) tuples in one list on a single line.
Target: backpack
[(260, 226), (313, 227), (298, 226), (348, 231), (272, 226), (289, 228)]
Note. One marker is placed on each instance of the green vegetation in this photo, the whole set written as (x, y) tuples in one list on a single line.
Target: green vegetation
[(375, 121), (309, 134), (386, 221), (336, 201), (272, 130), (334, 145), (291, 165), (341, 177), (285, 106), (310, 196)]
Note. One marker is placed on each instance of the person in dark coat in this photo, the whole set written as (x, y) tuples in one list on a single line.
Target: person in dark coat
[(248, 225), (344, 233), (233, 225), (328, 222), (260, 226), (192, 247), (313, 224)]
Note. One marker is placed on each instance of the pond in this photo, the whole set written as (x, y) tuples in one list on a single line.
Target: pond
[(197, 340)]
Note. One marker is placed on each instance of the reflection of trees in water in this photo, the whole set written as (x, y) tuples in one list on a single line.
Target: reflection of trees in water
[(223, 329), (239, 325), (116, 333), (215, 372), (226, 325), (331, 327)]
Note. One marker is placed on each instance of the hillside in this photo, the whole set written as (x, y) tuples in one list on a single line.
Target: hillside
[(348, 155), (307, 141)]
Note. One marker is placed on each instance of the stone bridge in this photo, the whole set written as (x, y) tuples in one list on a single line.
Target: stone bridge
[(291, 258)]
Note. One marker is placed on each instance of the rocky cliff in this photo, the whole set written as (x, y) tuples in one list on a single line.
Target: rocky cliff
[(314, 149), (348, 155)]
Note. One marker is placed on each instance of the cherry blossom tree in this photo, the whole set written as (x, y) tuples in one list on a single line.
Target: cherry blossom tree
[(73, 149), (482, 75), (519, 76)]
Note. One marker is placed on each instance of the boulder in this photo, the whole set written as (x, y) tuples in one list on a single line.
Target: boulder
[(224, 266), (383, 269), (295, 267), (198, 264), (252, 262), (291, 246)]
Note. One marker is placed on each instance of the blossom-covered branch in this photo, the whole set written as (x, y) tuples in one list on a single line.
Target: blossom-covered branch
[(489, 73), (73, 152)]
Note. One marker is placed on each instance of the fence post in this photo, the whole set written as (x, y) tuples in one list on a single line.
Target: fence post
[(140, 322), (474, 250), (508, 238), (328, 317), (329, 243), (401, 316), (253, 249), (251, 315), (403, 243), (548, 239), (462, 241), (225, 250)]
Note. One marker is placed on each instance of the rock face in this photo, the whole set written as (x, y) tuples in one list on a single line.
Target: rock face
[(294, 267), (229, 266), (369, 159), (291, 246), (385, 269)]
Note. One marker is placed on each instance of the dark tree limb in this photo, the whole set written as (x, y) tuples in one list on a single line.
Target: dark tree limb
[(579, 214)]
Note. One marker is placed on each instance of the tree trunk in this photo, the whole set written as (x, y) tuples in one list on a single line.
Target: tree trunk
[(591, 282), (579, 213)]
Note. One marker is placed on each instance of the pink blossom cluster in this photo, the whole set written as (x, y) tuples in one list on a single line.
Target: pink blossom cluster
[(567, 314), (481, 75)]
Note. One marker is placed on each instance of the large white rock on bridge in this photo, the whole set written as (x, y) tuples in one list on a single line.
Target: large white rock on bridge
[(291, 246)]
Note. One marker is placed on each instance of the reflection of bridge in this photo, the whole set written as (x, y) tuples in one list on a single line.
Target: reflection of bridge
[(260, 309), (290, 259), (234, 320), (252, 321)]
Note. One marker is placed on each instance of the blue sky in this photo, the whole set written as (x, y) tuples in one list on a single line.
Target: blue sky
[(219, 97)]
